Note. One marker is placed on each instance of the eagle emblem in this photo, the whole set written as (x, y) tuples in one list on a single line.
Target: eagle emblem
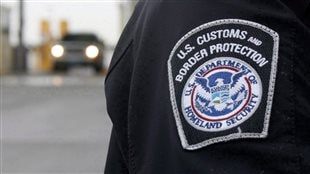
[(221, 93)]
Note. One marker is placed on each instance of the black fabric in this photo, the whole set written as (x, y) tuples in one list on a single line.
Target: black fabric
[(301, 8), (115, 159), (145, 138)]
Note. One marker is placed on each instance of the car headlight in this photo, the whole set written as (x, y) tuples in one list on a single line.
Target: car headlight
[(57, 51), (92, 51)]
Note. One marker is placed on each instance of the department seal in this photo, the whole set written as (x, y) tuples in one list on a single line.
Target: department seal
[(221, 94)]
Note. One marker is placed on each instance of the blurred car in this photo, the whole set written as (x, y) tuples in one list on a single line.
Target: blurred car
[(79, 49)]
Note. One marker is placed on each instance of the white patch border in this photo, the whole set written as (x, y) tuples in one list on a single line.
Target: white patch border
[(239, 134)]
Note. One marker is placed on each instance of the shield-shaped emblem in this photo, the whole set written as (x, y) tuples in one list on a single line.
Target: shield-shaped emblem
[(222, 87)]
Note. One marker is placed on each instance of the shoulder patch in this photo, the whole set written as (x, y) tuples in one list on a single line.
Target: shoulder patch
[(221, 78)]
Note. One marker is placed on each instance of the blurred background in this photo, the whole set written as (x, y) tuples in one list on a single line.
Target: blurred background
[(54, 55)]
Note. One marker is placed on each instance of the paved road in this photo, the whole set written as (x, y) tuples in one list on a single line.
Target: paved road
[(54, 124)]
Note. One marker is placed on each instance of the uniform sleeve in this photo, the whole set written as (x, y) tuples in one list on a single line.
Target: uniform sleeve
[(115, 162), (201, 86), (117, 87)]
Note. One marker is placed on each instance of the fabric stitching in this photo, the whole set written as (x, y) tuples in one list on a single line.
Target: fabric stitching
[(264, 133), (131, 155), (293, 104), (118, 60)]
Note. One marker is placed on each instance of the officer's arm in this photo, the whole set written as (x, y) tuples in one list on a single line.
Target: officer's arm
[(115, 162), (117, 94)]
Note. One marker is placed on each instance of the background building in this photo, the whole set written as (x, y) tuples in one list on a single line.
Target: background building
[(55, 122), (5, 48)]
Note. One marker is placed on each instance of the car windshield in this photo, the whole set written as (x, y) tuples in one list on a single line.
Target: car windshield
[(79, 37)]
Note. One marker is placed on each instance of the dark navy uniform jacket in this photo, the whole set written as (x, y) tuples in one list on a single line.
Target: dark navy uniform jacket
[(171, 92)]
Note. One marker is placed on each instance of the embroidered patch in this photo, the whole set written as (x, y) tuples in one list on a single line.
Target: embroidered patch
[(222, 77)]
